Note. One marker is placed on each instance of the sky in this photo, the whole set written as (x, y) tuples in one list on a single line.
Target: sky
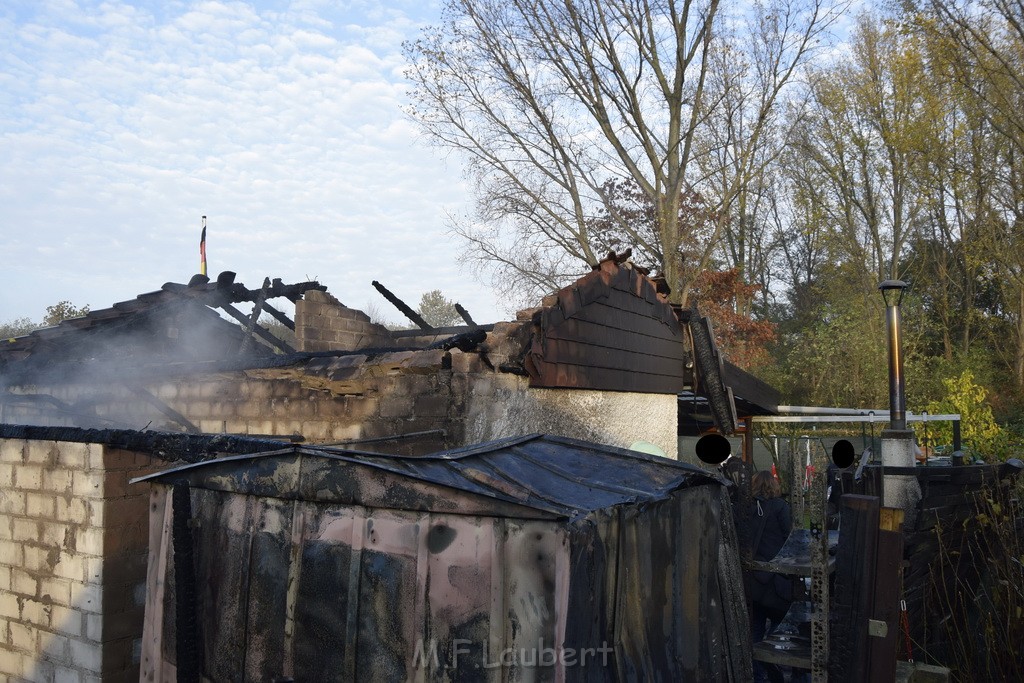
[(123, 123)]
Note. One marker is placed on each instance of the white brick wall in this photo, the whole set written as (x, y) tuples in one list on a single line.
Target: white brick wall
[(65, 510)]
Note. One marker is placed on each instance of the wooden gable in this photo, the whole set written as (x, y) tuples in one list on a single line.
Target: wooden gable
[(610, 331)]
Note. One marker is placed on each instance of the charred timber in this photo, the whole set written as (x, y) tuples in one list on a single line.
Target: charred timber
[(402, 306), (467, 341), (167, 446), (464, 314), (165, 410), (437, 331), (279, 316), (257, 309), (383, 439), (255, 328), (236, 292)]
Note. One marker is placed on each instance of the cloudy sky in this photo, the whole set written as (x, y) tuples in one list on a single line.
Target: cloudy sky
[(122, 123)]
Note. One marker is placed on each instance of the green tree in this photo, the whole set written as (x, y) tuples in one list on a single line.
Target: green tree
[(980, 432), (835, 354), (437, 310), (986, 39), (63, 310), (17, 328)]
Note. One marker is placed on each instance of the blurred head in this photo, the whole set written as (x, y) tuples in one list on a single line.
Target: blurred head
[(764, 485)]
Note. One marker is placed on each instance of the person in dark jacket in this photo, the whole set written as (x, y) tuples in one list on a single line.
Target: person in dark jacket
[(771, 521)]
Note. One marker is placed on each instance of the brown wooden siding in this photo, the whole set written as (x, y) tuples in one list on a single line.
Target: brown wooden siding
[(609, 331)]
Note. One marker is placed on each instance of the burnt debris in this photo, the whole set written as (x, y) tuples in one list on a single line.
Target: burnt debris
[(169, 446)]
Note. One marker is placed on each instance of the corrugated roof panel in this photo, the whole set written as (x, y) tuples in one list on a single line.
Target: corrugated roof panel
[(547, 474)]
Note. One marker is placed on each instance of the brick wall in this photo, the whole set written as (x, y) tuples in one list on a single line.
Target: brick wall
[(322, 323), (73, 545), (354, 397)]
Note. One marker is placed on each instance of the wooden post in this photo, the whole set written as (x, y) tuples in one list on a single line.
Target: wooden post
[(854, 588), (882, 648), (865, 613)]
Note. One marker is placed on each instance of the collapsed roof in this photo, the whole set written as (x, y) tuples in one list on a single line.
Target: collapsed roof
[(611, 330)]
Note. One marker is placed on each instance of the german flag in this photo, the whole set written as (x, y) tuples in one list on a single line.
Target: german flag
[(202, 249)]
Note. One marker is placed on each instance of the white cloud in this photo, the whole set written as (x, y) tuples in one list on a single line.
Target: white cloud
[(121, 125)]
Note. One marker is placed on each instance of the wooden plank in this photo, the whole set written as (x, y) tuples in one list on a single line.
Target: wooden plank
[(750, 388), (279, 316), (631, 322), (156, 580), (257, 329), (257, 309), (641, 305), (401, 306), (555, 375), (584, 331), (570, 302), (164, 409), (591, 288), (886, 608), (854, 594), (612, 300), (591, 355), (294, 575), (626, 332), (730, 582)]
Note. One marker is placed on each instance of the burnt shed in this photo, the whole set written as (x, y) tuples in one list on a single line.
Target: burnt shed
[(529, 558)]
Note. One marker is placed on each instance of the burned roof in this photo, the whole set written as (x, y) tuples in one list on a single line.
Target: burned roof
[(177, 323), (611, 330), (539, 476)]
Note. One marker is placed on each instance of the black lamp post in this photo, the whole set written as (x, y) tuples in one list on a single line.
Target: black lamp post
[(892, 292)]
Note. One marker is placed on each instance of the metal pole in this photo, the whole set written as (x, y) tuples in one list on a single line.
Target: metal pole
[(897, 388)]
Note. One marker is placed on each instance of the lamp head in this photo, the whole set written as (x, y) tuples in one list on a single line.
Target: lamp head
[(892, 291)]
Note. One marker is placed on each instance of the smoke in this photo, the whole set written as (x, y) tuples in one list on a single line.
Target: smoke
[(94, 372)]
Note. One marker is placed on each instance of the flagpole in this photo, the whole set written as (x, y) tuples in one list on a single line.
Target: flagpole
[(202, 249)]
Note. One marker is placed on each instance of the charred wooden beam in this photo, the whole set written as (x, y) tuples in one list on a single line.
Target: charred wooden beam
[(163, 445), (262, 332), (464, 314), (290, 438), (467, 341), (165, 410), (8, 397), (226, 289), (257, 309), (401, 306), (438, 331), (186, 627), (711, 373), (279, 316)]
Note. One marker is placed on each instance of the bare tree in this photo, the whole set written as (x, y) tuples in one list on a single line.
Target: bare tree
[(550, 101), (748, 124)]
